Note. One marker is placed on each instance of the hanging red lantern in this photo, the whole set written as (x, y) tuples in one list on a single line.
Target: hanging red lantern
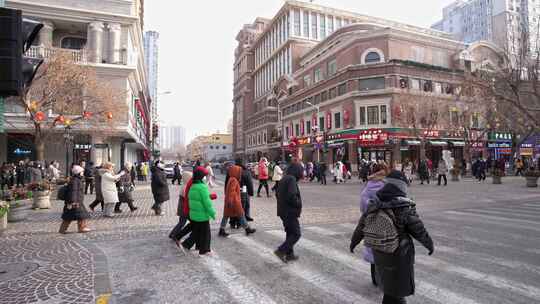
[(109, 115), (87, 115), (39, 116), (60, 119), (33, 106), (67, 122)]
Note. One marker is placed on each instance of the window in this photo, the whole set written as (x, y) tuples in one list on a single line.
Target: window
[(308, 127), (427, 85), (383, 115), (324, 96), (73, 43), (454, 117), (372, 57), (373, 115), (332, 67), (342, 89), (437, 87), (287, 132), (475, 120), (415, 84), (296, 22), (321, 123), (322, 25), (306, 24), (264, 140), (317, 75), (297, 129), (317, 99), (362, 118), (338, 23), (371, 84), (314, 32), (330, 24), (332, 93), (307, 81), (337, 120), (225, 148), (211, 147)]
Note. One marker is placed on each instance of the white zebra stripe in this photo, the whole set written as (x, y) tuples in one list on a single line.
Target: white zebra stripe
[(239, 286), (315, 278), (435, 293), (320, 230), (496, 218), (510, 214), (485, 221)]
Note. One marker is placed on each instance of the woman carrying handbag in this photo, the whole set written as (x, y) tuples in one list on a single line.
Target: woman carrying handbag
[(125, 186)]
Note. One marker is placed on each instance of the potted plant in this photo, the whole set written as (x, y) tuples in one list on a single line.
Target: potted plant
[(41, 193), (531, 176), (4, 208), (19, 207), (497, 175)]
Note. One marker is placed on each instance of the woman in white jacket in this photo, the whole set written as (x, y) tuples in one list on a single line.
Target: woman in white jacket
[(108, 188), (276, 177)]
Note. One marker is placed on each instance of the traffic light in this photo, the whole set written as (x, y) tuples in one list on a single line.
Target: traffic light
[(16, 36)]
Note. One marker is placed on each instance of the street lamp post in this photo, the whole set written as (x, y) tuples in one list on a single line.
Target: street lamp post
[(68, 138), (318, 129)]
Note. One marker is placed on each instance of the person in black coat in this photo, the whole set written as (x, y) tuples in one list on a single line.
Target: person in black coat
[(177, 173), (160, 188), (89, 178), (125, 186), (289, 208), (395, 271), (74, 209)]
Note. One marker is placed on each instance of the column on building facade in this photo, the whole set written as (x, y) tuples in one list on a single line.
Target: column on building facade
[(115, 32), (95, 41), (396, 154), (99, 154), (46, 34)]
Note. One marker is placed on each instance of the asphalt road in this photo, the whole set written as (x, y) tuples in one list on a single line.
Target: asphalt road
[(487, 250)]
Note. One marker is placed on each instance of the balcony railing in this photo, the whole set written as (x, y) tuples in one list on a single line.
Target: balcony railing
[(78, 56)]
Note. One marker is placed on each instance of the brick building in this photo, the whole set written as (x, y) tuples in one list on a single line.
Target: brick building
[(336, 94)]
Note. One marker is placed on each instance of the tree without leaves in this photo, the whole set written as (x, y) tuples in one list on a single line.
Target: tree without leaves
[(66, 93)]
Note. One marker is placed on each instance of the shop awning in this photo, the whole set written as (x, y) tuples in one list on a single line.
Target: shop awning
[(458, 143), (412, 143), (438, 143)]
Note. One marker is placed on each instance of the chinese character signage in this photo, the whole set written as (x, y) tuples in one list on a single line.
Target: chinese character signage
[(372, 138), (500, 136)]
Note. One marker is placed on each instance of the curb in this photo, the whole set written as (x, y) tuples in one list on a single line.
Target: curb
[(102, 282)]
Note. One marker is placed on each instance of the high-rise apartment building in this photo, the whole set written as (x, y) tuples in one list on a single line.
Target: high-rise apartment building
[(497, 21), (151, 40), (171, 137)]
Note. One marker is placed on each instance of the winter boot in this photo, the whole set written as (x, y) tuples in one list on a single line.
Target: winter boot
[(222, 233), (64, 226), (250, 230)]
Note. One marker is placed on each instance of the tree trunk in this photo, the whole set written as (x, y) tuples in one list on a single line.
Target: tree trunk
[(422, 149), (39, 142)]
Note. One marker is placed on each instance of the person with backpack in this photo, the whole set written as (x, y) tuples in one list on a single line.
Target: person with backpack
[(387, 227), (289, 208), (374, 183), (263, 177), (74, 209)]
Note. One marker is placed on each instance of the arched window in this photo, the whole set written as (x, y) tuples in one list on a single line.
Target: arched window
[(373, 57), (73, 43)]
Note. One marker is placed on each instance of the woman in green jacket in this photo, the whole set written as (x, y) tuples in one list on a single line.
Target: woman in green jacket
[(201, 210)]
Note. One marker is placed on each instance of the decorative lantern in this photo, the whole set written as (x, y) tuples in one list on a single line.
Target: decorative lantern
[(33, 106), (328, 120), (60, 119), (67, 122), (109, 115), (87, 115), (40, 116)]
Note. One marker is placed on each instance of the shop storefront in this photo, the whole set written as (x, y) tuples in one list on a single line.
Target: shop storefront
[(374, 145), (20, 147), (500, 146)]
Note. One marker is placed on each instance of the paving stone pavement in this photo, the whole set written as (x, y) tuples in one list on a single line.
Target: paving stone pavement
[(487, 251)]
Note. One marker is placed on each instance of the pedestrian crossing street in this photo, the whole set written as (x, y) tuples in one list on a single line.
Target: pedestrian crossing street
[(489, 255)]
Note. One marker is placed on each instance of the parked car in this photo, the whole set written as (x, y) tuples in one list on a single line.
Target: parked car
[(169, 170)]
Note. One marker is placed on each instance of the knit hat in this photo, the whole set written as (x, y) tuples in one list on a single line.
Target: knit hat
[(77, 170), (199, 173), (398, 175)]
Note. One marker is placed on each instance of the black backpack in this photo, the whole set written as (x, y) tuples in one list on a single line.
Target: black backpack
[(380, 231)]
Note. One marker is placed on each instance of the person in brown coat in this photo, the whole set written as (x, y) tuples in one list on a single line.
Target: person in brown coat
[(233, 203)]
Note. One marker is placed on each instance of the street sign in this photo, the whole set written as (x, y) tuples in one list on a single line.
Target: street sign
[(101, 146)]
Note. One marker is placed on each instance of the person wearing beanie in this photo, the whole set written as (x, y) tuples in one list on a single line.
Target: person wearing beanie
[(74, 209), (160, 187), (289, 208), (201, 210), (395, 271)]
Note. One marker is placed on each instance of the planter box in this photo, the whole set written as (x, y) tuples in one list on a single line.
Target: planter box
[(532, 181), (497, 180), (18, 213), (41, 199)]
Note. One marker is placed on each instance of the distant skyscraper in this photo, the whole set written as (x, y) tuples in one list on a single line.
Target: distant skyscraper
[(151, 39), (171, 136)]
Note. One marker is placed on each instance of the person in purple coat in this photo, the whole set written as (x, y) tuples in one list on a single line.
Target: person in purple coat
[(374, 184)]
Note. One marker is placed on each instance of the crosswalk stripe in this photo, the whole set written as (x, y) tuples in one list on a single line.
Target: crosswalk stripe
[(348, 226), (493, 280), (522, 208), (239, 286), (485, 221), (497, 218), (320, 230), (490, 259), (435, 293), (313, 277), (515, 209), (532, 205), (508, 214)]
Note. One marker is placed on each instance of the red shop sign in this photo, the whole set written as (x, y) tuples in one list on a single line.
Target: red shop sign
[(372, 138), (328, 120)]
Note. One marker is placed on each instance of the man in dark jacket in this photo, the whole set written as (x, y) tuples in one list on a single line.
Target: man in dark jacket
[(99, 194), (395, 271), (289, 208), (246, 191), (89, 178), (177, 173), (160, 188)]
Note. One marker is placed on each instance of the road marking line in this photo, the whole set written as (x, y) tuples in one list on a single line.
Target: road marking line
[(497, 218), (516, 209), (315, 278), (493, 280), (239, 286), (103, 298), (322, 231), (484, 221), (435, 293), (509, 214), (524, 209), (535, 206), (348, 226)]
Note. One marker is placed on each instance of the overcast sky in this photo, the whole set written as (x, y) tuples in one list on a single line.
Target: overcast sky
[(197, 42)]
